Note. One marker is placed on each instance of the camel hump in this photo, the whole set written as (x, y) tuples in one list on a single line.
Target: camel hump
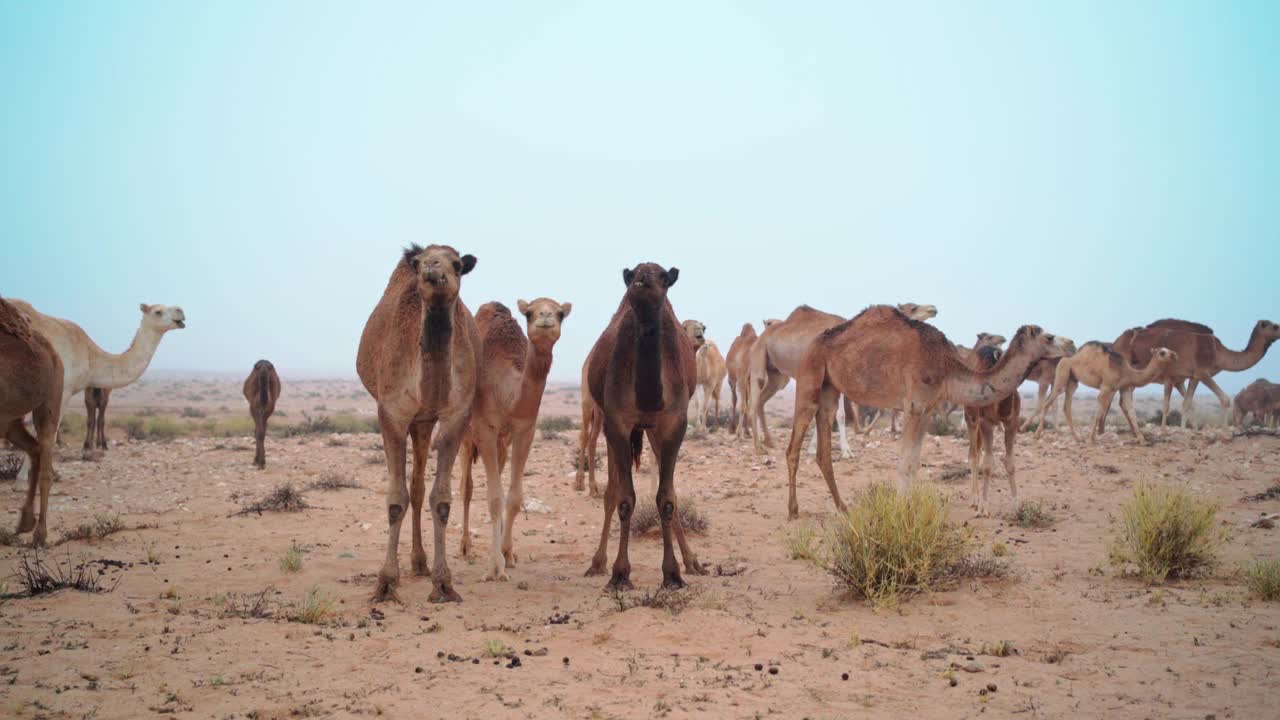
[(13, 322)]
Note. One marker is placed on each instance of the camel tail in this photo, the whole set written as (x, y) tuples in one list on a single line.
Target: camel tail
[(637, 447)]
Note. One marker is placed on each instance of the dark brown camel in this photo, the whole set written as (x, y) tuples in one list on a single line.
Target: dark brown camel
[(261, 389), (981, 422), (642, 375), (32, 373), (95, 412)]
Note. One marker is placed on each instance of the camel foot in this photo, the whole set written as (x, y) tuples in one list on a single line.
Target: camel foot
[(693, 567), (597, 568), (464, 549), (496, 574), (673, 581), (386, 589), (511, 558), (579, 486), (443, 593), (595, 492), (420, 566), (27, 522), (38, 538), (86, 454), (619, 582)]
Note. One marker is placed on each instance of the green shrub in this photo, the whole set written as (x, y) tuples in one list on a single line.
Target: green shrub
[(135, 428), (190, 412), (73, 425), (291, 561), (892, 543), (1168, 533), (1263, 578), (1031, 515), (164, 428)]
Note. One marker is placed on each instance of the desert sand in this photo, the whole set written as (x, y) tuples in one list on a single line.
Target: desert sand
[(1083, 640)]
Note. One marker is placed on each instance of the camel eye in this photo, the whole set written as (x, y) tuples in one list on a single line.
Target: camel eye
[(457, 266)]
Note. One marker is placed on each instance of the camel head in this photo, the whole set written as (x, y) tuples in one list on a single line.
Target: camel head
[(439, 270), (1163, 356), (770, 322), (1043, 344), (988, 340), (1267, 330), (918, 312), (647, 285), (988, 356), (697, 332), (162, 318), (543, 318)]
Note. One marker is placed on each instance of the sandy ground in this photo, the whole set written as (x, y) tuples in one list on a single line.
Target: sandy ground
[(1087, 642)]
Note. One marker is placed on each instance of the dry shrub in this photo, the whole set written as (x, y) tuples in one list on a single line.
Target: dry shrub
[(1168, 533), (102, 526), (316, 608), (1263, 578), (1030, 514), (10, 463), (332, 481), (285, 498), (890, 543), (646, 519), (36, 577)]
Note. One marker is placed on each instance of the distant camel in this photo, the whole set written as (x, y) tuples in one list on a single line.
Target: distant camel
[(1257, 400), (262, 390), (95, 411), (504, 418), (419, 358), (642, 376), (1201, 356), (849, 360), (84, 364), (1098, 365), (592, 422), (711, 373), (981, 422), (33, 374)]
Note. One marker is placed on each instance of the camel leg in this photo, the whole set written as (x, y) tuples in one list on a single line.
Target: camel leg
[(774, 382), (1188, 403), (733, 407), (394, 441), (619, 441), (1041, 390), (102, 424), (1043, 407), (806, 405), (971, 423), (691, 564), (90, 421), (909, 452), (1067, 395), (1126, 407), (521, 443), (259, 440), (842, 415), (601, 557), (1100, 417), (486, 440), (451, 431), (1223, 399), (715, 416), (22, 440), (744, 411), (827, 402), (468, 487), (580, 471), (420, 434), (987, 430), (671, 437), (597, 423)]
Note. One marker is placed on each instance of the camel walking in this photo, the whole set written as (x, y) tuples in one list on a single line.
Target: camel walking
[(982, 422), (588, 434), (95, 413), (642, 376), (262, 390), (504, 418), (925, 370), (84, 364), (1201, 356), (33, 376), (1098, 365), (419, 358)]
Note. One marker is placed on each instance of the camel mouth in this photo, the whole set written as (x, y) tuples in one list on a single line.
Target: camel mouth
[(180, 323)]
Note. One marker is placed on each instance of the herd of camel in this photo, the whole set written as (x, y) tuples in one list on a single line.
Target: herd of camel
[(474, 384)]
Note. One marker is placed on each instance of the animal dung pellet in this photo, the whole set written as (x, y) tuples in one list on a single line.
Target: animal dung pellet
[(759, 667)]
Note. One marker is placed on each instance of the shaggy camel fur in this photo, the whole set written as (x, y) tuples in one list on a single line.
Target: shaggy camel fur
[(592, 422), (84, 364), (1258, 400), (981, 422), (95, 412), (33, 376), (504, 418), (642, 376), (850, 359), (420, 358), (1098, 365), (1201, 356), (262, 390)]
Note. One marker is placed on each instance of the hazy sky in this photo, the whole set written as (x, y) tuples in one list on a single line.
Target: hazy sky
[(1084, 166)]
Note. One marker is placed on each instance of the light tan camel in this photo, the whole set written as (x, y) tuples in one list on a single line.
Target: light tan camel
[(420, 359), (642, 376), (84, 364), (95, 412), (735, 368), (883, 358), (262, 390), (981, 422), (592, 422), (1098, 365), (1042, 375), (1201, 356), (504, 418), (1257, 400), (711, 373), (33, 374)]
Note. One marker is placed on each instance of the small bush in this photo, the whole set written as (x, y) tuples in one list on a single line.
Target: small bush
[(285, 498), (190, 412), (891, 544), (939, 425), (102, 526), (10, 464), (673, 601), (646, 520), (1030, 514), (234, 426), (73, 425), (804, 542), (333, 481), (556, 424), (253, 605), (135, 428), (291, 561), (36, 577), (315, 609), (164, 428), (1168, 533), (1263, 578), (496, 649)]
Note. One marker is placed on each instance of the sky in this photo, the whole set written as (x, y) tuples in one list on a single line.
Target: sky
[(1083, 166)]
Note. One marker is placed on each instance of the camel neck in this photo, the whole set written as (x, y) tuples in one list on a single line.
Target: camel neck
[(110, 371), (648, 379), (975, 388), (1238, 360), (437, 338)]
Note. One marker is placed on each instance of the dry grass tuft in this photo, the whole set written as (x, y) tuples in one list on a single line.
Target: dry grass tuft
[(1031, 514), (36, 577), (646, 520), (285, 498), (102, 526), (1168, 533), (333, 481), (1263, 578), (673, 601)]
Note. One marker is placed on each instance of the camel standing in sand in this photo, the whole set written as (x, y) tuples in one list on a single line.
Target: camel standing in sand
[(262, 390), (642, 376), (1257, 400), (711, 373), (84, 364), (592, 423), (850, 360), (970, 358), (420, 359), (95, 412), (1201, 356), (504, 418), (1098, 365), (981, 422), (33, 376)]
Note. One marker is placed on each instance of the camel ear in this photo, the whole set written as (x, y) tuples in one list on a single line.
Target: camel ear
[(145, 308), (523, 307), (468, 264), (628, 276), (564, 310), (671, 276)]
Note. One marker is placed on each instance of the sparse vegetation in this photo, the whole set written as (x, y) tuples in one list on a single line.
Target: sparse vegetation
[(1271, 493), (1167, 533), (190, 412), (890, 543), (315, 609), (1263, 578), (1030, 514), (338, 424), (10, 464), (252, 605), (291, 561), (646, 519), (36, 577), (804, 542), (332, 481), (494, 648), (102, 526), (943, 426), (672, 601), (552, 426), (285, 498)]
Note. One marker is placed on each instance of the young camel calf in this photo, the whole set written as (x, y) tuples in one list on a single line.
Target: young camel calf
[(981, 422), (1097, 365)]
